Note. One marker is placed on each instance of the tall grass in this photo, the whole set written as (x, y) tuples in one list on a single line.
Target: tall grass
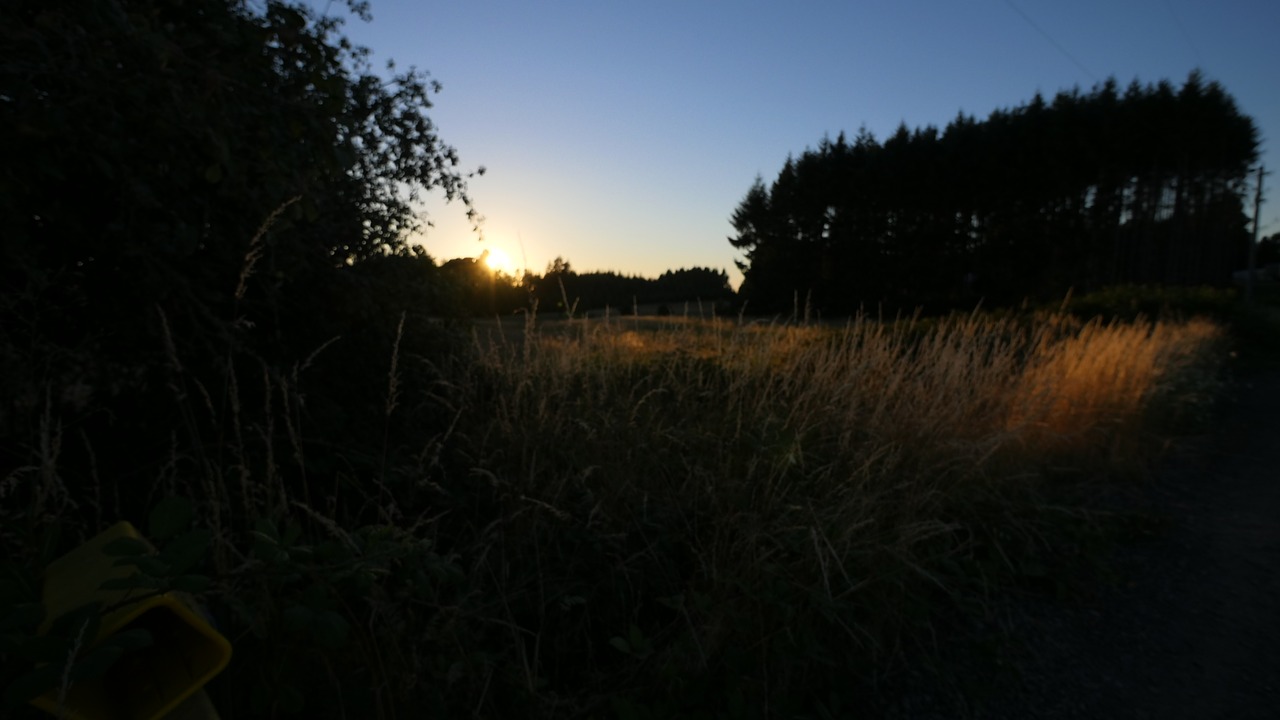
[(775, 502), (642, 518)]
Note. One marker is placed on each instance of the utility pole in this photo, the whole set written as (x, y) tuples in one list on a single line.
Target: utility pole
[(1253, 245)]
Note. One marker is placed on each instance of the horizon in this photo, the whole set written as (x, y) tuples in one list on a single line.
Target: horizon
[(621, 139)]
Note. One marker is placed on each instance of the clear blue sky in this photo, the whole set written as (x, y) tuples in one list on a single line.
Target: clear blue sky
[(622, 135)]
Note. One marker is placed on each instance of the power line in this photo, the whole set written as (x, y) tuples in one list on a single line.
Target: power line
[(1052, 42)]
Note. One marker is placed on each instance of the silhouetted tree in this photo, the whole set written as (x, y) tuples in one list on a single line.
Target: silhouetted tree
[(225, 179), (1269, 250), (1081, 191), (596, 290), (696, 283)]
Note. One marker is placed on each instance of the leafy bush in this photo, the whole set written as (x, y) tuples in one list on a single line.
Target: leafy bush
[(226, 179)]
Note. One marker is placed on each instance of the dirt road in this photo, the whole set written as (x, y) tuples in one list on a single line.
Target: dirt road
[(1190, 625)]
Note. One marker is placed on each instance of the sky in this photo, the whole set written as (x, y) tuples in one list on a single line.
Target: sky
[(622, 136)]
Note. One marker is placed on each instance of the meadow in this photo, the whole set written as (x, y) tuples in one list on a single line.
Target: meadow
[(218, 325), (637, 517)]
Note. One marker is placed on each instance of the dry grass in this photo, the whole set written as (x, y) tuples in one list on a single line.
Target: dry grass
[(641, 517), (1100, 374), (816, 489)]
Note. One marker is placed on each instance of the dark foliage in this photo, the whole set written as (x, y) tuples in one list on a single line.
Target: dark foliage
[(480, 291), (471, 289), (206, 291), (1090, 190), (560, 284), (1269, 250), (200, 200), (197, 185)]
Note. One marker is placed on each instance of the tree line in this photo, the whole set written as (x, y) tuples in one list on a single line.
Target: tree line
[(475, 290), (1144, 185)]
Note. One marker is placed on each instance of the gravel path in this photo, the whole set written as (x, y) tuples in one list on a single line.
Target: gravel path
[(1190, 628)]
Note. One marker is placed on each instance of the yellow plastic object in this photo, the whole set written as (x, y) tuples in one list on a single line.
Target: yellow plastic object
[(147, 683)]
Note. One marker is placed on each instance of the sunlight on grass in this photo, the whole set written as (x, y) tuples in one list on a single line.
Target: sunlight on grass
[(854, 471), (659, 513), (1101, 374)]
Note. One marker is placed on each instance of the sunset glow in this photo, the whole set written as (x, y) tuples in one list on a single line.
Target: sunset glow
[(499, 261), (652, 120)]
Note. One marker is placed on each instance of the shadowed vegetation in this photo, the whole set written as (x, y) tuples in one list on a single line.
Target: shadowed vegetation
[(642, 517), (1141, 185)]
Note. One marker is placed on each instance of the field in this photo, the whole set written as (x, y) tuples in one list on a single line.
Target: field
[(642, 517)]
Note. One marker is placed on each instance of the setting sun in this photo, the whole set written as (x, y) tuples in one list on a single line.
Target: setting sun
[(499, 261)]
